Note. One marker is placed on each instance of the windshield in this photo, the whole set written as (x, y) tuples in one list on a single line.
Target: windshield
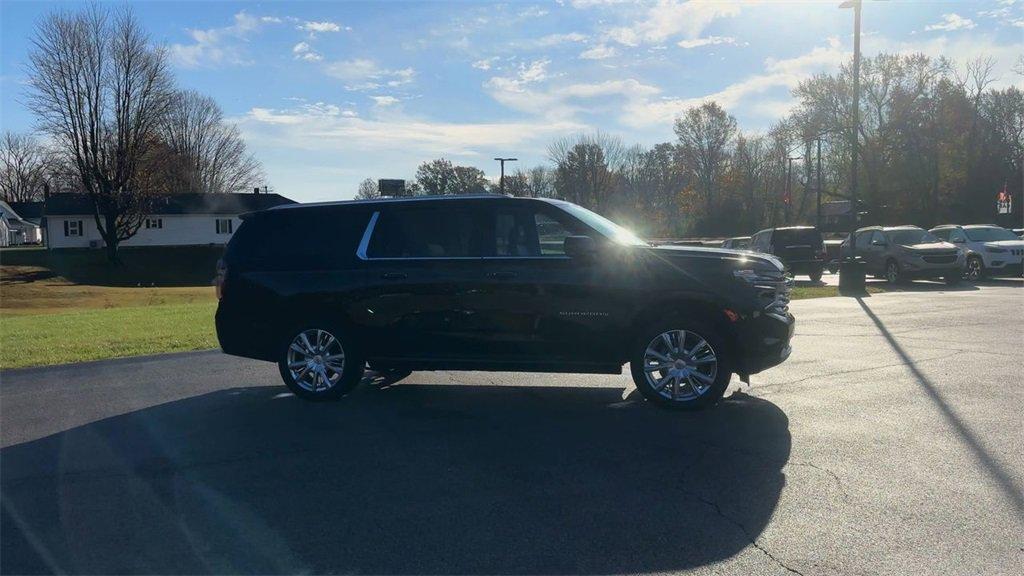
[(908, 237), (989, 234), (606, 227), (798, 236)]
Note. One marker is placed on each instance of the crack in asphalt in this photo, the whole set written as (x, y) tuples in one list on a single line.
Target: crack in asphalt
[(843, 372), (718, 510), (839, 482)]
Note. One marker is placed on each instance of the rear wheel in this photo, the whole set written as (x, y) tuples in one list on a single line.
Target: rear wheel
[(975, 268), (317, 364), (815, 275), (681, 365)]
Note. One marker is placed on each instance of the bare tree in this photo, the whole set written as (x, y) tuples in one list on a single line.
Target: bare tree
[(706, 134), (367, 190), (586, 167), (99, 89), (468, 180), (23, 168), (209, 153)]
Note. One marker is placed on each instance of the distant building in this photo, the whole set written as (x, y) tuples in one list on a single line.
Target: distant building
[(17, 230), (177, 219)]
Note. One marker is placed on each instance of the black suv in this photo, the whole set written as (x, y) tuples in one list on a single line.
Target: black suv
[(800, 248), (493, 283)]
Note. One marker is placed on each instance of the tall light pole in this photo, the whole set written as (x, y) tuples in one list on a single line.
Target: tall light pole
[(855, 140), (502, 181)]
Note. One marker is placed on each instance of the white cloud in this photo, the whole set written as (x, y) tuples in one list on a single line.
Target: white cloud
[(708, 41), (485, 63), (219, 46), (951, 22), (271, 19), (383, 101), (599, 52), (535, 71), (319, 27), (326, 128), (364, 74), (556, 39), (668, 18), (303, 51)]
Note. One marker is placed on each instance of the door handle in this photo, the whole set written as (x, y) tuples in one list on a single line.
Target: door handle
[(394, 275), (501, 275)]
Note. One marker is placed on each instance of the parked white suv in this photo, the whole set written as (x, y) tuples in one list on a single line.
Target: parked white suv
[(991, 250)]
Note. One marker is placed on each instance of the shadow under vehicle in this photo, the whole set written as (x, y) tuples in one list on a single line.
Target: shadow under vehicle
[(398, 479)]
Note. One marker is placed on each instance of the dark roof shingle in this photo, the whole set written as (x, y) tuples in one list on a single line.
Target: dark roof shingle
[(188, 203)]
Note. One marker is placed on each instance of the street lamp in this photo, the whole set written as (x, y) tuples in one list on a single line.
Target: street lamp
[(854, 142), (502, 161)]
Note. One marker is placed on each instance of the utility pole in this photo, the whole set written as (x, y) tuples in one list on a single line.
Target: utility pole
[(789, 186), (855, 140), (502, 181), (817, 180)]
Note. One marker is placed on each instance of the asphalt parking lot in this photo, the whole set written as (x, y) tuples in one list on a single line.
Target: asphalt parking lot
[(891, 442)]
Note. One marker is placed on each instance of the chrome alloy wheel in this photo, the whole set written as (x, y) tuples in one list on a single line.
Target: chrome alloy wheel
[(680, 365), (974, 267), (316, 360), (892, 272)]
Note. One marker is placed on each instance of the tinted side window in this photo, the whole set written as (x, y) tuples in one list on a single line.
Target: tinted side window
[(297, 239), (425, 233), (943, 234), (864, 239), (955, 236)]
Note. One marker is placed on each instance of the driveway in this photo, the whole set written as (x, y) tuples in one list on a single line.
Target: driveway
[(890, 442)]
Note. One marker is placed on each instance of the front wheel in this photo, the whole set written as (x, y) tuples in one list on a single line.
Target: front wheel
[(317, 364), (815, 275), (681, 365), (892, 272), (975, 269)]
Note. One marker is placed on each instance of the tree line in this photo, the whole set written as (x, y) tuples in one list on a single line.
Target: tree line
[(113, 125), (937, 143)]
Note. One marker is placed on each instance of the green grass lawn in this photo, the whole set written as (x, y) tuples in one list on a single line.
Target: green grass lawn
[(96, 333)]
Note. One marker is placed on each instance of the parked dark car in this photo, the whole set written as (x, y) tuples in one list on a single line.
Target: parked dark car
[(833, 254), (493, 283), (901, 253), (800, 248), (737, 243)]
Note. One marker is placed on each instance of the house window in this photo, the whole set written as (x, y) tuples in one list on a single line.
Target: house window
[(72, 227), (154, 222), (224, 226)]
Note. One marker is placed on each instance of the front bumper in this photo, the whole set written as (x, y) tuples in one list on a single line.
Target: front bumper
[(764, 341)]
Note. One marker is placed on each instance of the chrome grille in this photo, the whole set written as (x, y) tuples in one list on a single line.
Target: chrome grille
[(775, 296)]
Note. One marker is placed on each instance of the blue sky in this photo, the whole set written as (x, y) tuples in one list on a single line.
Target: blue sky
[(329, 93)]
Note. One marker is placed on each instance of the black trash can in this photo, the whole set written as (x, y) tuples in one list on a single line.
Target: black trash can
[(851, 277)]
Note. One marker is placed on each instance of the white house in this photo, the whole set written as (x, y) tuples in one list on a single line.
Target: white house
[(177, 219), (17, 230)]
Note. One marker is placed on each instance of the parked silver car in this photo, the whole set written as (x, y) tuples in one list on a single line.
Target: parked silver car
[(901, 253), (991, 250)]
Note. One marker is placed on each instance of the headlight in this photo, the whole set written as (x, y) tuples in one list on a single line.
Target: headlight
[(994, 250)]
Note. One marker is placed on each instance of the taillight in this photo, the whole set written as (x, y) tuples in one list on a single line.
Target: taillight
[(221, 277)]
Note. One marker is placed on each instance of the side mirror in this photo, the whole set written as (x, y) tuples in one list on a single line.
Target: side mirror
[(957, 240), (878, 243), (580, 246)]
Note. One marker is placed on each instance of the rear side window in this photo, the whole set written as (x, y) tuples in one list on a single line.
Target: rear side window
[(426, 233), (864, 239), (296, 239), (800, 237)]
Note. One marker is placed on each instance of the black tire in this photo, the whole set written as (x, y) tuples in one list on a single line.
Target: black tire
[(975, 268), (341, 381), (720, 378), (815, 275), (893, 275)]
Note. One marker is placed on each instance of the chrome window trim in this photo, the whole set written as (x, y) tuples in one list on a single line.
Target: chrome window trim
[(365, 241), (364, 244)]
